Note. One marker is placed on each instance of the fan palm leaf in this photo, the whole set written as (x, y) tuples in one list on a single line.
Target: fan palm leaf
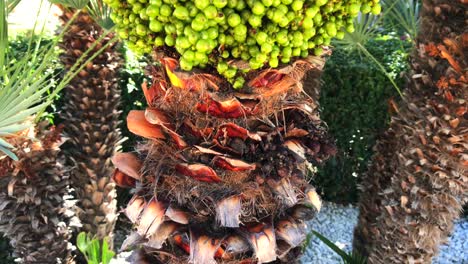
[(101, 14), (404, 14), (366, 27), (76, 4), (25, 89), (99, 11)]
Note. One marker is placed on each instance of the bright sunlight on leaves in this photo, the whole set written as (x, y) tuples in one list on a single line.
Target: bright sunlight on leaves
[(94, 250), (24, 92)]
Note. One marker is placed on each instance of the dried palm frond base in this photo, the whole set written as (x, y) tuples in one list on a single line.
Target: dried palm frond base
[(34, 212), (224, 176)]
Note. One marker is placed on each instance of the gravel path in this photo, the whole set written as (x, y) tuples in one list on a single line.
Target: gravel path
[(337, 223)]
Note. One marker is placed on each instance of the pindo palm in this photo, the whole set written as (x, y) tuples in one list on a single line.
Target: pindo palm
[(223, 176)]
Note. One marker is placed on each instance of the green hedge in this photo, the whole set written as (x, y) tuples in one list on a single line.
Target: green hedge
[(354, 100), (5, 251), (131, 78)]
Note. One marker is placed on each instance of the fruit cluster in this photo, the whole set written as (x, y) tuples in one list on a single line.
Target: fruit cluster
[(214, 32)]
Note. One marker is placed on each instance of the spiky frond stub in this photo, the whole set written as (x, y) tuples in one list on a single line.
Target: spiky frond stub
[(91, 119), (34, 214), (418, 181), (223, 178)]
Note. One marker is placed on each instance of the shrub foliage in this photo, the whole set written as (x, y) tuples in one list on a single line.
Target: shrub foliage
[(355, 98)]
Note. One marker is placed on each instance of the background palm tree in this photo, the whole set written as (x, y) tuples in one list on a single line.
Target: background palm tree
[(34, 212), (91, 116), (417, 183)]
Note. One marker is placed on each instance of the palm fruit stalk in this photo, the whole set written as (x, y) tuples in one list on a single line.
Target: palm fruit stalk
[(34, 213), (91, 119), (418, 181), (232, 134)]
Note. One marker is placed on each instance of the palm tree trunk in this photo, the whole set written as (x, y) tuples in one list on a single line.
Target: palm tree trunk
[(91, 119), (225, 173), (417, 183), (34, 213)]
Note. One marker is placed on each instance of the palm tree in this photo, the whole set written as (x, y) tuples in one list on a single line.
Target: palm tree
[(35, 214), (34, 211), (224, 175), (417, 183), (91, 117)]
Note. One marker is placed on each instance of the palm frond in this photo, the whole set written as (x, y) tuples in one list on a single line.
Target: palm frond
[(76, 4), (3, 32), (25, 89), (101, 13), (353, 258), (97, 9), (11, 4), (22, 90), (366, 27), (403, 14)]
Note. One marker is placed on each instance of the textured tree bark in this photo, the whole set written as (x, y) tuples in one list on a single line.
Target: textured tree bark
[(224, 175), (91, 118), (418, 182), (34, 212)]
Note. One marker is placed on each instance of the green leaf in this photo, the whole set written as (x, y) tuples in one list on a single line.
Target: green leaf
[(8, 153), (107, 254), (346, 258), (21, 116), (82, 243), (77, 4), (5, 144), (11, 4), (366, 27), (100, 12), (3, 33), (354, 258), (404, 14), (14, 128), (95, 250)]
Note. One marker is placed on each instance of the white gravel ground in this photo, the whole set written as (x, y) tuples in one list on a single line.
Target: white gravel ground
[(337, 223)]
